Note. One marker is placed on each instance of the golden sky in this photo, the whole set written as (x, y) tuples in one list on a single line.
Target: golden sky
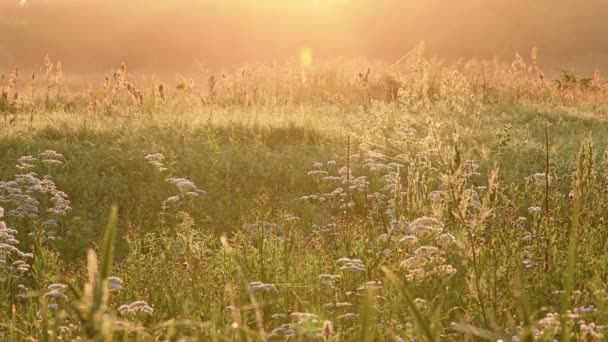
[(172, 34)]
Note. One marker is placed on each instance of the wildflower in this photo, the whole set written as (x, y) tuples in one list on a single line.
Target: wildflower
[(257, 286), (303, 316), (348, 317), (436, 195), (58, 287), (382, 238), (535, 210), (351, 265), (185, 186), (370, 285), (156, 160), (426, 226), (337, 305), (290, 217), (317, 173), (284, 332), (445, 240), (49, 224), (64, 329), (590, 332), (173, 199), (426, 262), (330, 279), (587, 309), (56, 294), (51, 156), (409, 240), (12, 241), (115, 284), (136, 308), (540, 178)]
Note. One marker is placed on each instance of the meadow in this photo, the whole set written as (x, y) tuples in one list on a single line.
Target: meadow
[(337, 200)]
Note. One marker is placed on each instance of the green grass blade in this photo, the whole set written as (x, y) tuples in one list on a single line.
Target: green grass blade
[(421, 322), (108, 244)]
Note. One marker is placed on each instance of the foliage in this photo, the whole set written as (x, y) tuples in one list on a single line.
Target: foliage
[(331, 202)]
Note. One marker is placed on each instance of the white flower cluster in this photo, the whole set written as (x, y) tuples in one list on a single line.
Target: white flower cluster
[(549, 327), (284, 332), (472, 196), (55, 296), (348, 317), (540, 179), (57, 291), (306, 325), (157, 160), (255, 230), (10, 255), (426, 262), (370, 285), (51, 158), (25, 163), (187, 190), (428, 244), (471, 168), (115, 284), (426, 227), (26, 192), (351, 265), (135, 308), (257, 286), (590, 331), (338, 305), (330, 279)]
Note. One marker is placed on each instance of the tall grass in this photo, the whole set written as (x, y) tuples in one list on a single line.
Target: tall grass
[(337, 201)]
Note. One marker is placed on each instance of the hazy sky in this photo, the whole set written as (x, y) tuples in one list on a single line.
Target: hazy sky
[(172, 34)]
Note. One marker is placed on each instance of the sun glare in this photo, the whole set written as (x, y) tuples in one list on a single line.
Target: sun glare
[(306, 56)]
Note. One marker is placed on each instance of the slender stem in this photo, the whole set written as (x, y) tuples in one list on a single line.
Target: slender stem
[(546, 191)]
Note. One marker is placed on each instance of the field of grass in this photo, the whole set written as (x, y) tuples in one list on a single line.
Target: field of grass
[(414, 201)]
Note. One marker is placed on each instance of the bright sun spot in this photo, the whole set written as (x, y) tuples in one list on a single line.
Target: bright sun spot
[(306, 56)]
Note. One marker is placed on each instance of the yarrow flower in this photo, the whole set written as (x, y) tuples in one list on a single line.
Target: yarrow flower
[(426, 262), (187, 189), (57, 291), (51, 158), (351, 265), (27, 193), (156, 160), (426, 226), (541, 178), (348, 317), (11, 256), (330, 279), (138, 307), (115, 284), (257, 286)]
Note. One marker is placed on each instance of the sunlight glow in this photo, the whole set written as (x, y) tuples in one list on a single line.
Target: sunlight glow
[(306, 56)]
